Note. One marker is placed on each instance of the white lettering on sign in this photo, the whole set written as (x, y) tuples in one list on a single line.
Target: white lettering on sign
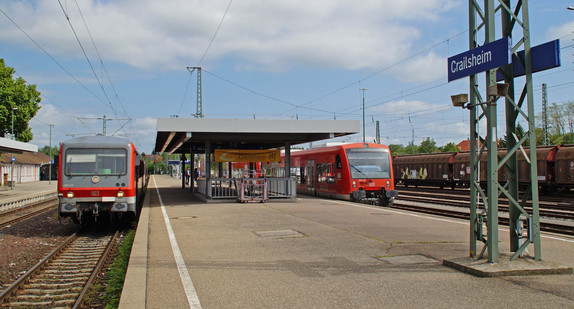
[(469, 62)]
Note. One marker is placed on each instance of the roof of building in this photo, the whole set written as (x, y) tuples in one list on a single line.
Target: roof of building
[(8, 145), (465, 145), (29, 158)]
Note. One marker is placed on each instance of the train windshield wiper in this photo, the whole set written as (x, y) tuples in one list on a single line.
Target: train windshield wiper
[(358, 170)]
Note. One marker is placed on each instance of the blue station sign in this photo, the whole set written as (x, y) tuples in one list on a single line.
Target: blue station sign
[(489, 56), (544, 56)]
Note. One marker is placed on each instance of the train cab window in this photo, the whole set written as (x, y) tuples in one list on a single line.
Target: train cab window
[(103, 162), (369, 163)]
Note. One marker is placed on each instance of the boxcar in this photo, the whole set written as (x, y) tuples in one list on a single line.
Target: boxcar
[(564, 162), (415, 170)]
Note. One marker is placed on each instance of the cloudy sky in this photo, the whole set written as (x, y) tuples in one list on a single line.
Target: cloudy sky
[(281, 59)]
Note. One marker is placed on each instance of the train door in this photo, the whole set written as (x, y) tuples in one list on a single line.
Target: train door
[(311, 176)]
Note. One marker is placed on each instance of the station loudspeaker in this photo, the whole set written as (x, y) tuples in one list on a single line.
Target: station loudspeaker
[(459, 100), (498, 90)]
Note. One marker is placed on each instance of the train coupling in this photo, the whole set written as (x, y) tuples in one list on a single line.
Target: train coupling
[(96, 210), (391, 193)]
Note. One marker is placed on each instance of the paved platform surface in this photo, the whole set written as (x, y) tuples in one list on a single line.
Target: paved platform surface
[(317, 254), (27, 188)]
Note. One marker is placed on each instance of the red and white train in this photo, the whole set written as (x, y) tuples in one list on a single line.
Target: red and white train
[(99, 175), (356, 172)]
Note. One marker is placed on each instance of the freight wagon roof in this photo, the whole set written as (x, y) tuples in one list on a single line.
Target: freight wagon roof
[(180, 135), (565, 153), (439, 157)]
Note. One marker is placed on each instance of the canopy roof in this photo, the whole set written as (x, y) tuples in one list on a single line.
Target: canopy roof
[(8, 145), (179, 135)]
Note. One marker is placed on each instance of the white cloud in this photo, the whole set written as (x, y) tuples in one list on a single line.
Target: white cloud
[(424, 68), (560, 31), (403, 107), (274, 35), (141, 131)]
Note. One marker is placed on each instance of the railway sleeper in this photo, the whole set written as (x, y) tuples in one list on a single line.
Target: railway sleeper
[(66, 285), (53, 280), (66, 266), (51, 295), (25, 304)]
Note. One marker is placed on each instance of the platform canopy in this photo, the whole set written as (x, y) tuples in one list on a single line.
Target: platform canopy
[(179, 135), (11, 146)]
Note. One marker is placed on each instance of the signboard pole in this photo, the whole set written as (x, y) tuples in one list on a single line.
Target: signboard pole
[(475, 229), (491, 144), (524, 226)]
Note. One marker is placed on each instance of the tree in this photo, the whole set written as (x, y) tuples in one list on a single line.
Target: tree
[(450, 147), (428, 145), (520, 132), (397, 149), (46, 150), (14, 93)]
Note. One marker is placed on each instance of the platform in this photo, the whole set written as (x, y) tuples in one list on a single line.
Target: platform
[(317, 253), (27, 192)]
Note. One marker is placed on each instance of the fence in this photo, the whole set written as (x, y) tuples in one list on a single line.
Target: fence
[(23, 202), (226, 188)]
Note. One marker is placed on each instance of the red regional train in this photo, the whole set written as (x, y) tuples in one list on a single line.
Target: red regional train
[(355, 172), (99, 175), (555, 166)]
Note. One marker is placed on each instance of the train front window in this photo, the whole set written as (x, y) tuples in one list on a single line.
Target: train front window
[(103, 162), (369, 163)]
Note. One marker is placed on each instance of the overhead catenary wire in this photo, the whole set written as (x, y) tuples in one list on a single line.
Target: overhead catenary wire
[(85, 54), (52, 58), (204, 54)]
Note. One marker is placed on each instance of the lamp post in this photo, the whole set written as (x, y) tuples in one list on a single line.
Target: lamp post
[(50, 156), (13, 109), (12, 156), (363, 89)]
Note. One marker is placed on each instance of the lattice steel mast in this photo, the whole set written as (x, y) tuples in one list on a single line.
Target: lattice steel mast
[(520, 219)]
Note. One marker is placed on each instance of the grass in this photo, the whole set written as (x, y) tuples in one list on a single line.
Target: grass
[(117, 272)]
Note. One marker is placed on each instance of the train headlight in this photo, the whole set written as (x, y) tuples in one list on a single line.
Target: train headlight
[(388, 183), (70, 194), (354, 184), (120, 194)]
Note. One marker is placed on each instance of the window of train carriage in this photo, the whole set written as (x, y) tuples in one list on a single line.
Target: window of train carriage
[(373, 163), (302, 179), (325, 173), (102, 161)]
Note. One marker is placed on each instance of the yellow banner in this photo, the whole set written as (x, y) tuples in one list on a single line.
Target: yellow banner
[(236, 155)]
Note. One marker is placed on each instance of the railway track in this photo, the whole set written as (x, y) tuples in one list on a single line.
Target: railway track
[(14, 216), (63, 277), (557, 214)]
